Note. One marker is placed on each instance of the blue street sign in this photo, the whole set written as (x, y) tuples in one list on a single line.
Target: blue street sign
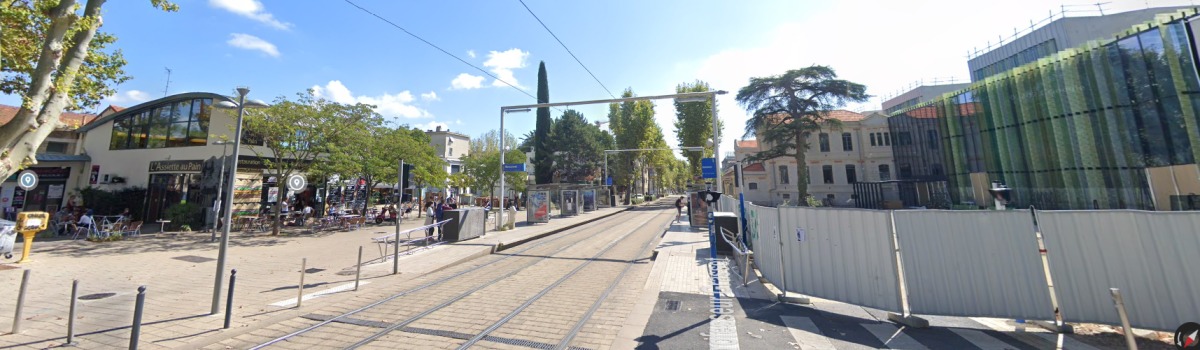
[(512, 168), (708, 168), (608, 181)]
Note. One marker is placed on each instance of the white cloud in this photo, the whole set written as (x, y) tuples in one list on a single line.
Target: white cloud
[(458, 122), (502, 64), (466, 81), (397, 105), (471, 53), (250, 42), (251, 9), (128, 97), (430, 96), (432, 125)]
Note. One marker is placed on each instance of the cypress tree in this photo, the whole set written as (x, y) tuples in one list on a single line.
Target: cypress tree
[(543, 164)]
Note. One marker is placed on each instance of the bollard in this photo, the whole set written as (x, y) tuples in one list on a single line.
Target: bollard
[(300, 295), (71, 314), (21, 301), (396, 253), (1130, 342), (229, 298), (138, 306), (358, 269)]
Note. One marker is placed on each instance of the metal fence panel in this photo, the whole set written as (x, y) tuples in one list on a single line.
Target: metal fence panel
[(972, 263), (763, 223), (1151, 256), (846, 255)]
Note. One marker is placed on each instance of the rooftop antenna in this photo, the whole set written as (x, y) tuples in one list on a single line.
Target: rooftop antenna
[(1100, 6), (168, 87)]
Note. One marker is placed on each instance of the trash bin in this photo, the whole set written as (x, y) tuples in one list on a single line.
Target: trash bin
[(465, 223), (728, 221), (8, 237)]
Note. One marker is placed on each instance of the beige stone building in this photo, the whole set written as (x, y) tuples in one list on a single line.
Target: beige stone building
[(859, 150), (451, 147), (60, 167)]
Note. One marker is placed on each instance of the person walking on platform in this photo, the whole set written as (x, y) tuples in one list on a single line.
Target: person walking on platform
[(678, 208)]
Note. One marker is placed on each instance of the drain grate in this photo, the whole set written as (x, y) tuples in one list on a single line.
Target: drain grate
[(673, 305), (193, 258), (313, 270), (96, 296)]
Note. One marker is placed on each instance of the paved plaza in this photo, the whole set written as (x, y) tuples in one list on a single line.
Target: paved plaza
[(178, 269)]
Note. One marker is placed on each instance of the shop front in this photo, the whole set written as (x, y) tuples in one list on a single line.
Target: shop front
[(172, 182), (49, 195)]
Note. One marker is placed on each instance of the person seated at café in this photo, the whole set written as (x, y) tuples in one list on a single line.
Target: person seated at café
[(86, 221), (126, 215)]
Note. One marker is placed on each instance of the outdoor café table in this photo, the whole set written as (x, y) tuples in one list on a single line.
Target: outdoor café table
[(346, 219)]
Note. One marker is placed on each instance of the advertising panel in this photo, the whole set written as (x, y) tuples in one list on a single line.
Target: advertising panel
[(589, 200), (698, 210), (538, 207), (570, 202)]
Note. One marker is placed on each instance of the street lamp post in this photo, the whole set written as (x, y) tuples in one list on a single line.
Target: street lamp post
[(241, 105), (220, 187)]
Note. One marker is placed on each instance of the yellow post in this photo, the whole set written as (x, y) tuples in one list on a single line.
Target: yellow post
[(28, 244), (30, 223)]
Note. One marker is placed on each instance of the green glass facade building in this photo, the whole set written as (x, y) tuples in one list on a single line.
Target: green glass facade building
[(1109, 124)]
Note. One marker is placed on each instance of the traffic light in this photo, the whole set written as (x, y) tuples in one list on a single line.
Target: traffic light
[(406, 176)]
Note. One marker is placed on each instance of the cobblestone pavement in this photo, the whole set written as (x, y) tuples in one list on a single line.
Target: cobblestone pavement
[(178, 272), (523, 297)]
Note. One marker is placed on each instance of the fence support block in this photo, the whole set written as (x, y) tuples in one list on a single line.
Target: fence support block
[(909, 320)]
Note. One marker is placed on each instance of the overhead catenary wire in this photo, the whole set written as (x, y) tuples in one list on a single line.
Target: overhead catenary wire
[(440, 49), (564, 46)]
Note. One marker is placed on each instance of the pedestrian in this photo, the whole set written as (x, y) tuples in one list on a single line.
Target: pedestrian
[(678, 208), (429, 213), (441, 215)]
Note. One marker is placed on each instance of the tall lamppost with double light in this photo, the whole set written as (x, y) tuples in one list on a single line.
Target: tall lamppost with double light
[(241, 106), (220, 186)]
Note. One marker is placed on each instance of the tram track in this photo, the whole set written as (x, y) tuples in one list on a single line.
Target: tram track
[(427, 299)]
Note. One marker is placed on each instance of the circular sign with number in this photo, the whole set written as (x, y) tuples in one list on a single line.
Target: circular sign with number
[(27, 180), (296, 183)]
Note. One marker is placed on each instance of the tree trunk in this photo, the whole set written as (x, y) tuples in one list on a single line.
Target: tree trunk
[(275, 208), (801, 170), (46, 98)]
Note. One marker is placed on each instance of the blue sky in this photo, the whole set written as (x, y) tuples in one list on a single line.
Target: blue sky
[(279, 47)]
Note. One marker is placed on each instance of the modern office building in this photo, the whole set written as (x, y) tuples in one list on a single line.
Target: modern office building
[(918, 95), (1107, 124), (1060, 34)]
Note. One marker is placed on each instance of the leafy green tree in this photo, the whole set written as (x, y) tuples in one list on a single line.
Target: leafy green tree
[(290, 136), (633, 127), (580, 148), (543, 161), (693, 125), (379, 156), (786, 108), (482, 163), (56, 59)]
